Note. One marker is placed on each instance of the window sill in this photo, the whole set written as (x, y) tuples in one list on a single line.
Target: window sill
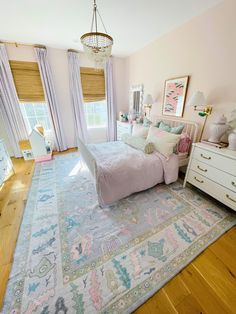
[(97, 127)]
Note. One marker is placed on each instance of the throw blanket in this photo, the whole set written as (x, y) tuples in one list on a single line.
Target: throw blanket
[(123, 170)]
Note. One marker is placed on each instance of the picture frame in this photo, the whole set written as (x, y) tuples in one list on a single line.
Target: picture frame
[(175, 91)]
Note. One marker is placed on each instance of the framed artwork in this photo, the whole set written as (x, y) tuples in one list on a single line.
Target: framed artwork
[(174, 96)]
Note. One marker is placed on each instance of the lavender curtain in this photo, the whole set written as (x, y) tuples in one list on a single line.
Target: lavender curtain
[(77, 96), (9, 105), (111, 107), (49, 91)]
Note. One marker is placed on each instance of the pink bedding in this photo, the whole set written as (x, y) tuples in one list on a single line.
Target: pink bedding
[(123, 170)]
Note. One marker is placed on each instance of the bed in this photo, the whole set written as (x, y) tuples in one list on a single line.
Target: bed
[(120, 170)]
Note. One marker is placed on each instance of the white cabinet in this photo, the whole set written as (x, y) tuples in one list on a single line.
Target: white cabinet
[(6, 168), (213, 170), (122, 128)]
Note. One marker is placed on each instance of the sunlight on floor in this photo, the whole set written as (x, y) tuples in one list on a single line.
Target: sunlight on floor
[(78, 167)]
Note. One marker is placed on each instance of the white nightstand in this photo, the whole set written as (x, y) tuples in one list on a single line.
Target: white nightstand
[(122, 128), (213, 170)]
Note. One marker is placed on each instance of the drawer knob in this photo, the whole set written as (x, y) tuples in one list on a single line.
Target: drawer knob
[(205, 157), (230, 198), (200, 181), (233, 184), (204, 170)]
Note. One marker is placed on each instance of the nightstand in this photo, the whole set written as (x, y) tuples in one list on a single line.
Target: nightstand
[(213, 170)]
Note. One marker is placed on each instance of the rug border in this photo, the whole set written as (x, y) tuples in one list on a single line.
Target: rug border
[(142, 300)]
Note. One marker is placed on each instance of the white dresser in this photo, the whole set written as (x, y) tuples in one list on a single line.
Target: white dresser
[(213, 170), (122, 128), (6, 168)]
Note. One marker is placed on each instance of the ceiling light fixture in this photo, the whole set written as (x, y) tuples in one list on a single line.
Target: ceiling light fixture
[(97, 45)]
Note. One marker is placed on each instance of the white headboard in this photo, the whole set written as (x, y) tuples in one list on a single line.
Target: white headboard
[(191, 128)]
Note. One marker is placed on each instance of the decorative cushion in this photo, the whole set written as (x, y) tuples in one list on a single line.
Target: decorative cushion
[(175, 130), (146, 122), (157, 124), (139, 143), (184, 144), (163, 141), (140, 130)]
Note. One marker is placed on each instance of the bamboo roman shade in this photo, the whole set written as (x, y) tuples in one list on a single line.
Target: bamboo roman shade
[(27, 80), (93, 84)]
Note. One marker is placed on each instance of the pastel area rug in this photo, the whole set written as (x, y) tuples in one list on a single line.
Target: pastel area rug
[(74, 257)]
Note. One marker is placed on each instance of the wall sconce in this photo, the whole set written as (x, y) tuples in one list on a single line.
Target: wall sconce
[(198, 100), (148, 102)]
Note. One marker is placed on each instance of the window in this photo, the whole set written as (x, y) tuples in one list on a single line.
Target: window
[(35, 113), (96, 114), (93, 87)]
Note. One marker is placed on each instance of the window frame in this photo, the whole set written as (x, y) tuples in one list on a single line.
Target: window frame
[(26, 117), (94, 126)]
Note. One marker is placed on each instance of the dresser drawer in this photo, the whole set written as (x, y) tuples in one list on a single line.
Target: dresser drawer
[(214, 174), (213, 159), (219, 192)]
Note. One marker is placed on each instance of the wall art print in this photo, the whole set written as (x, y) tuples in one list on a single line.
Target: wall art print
[(174, 96)]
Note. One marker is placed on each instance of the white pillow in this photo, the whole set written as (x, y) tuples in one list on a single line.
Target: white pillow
[(163, 141), (140, 130)]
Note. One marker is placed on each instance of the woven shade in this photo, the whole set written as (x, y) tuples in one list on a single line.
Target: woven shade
[(93, 84), (27, 80)]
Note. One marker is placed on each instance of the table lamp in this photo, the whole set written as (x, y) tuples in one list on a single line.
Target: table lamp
[(148, 102), (198, 100)]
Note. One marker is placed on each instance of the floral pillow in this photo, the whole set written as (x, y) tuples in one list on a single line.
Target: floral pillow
[(164, 142)]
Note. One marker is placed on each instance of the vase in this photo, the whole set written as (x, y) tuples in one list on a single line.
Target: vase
[(232, 140), (217, 129)]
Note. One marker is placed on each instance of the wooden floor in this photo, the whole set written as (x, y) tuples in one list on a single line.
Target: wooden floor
[(207, 285)]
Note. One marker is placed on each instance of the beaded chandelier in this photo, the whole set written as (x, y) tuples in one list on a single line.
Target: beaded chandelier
[(97, 45)]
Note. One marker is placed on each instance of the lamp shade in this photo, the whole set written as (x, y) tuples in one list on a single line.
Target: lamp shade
[(197, 99), (148, 100)]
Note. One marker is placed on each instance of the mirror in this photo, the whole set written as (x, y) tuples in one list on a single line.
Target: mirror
[(136, 99)]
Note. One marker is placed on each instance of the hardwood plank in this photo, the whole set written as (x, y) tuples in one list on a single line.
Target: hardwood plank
[(176, 290), (7, 245), (218, 276), (202, 292), (159, 303), (189, 305), (224, 249), (4, 275)]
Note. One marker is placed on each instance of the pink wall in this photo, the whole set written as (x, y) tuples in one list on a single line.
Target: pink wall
[(205, 49)]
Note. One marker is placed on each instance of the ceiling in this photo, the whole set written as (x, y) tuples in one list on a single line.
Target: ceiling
[(60, 23)]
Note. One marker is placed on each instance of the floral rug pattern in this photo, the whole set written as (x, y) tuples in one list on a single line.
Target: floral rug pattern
[(74, 257)]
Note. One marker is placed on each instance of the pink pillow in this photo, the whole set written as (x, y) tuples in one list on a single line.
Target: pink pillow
[(184, 144)]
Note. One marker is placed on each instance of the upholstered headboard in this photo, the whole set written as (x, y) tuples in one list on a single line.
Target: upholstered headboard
[(191, 128)]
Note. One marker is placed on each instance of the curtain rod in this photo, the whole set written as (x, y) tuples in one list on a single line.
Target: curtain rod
[(73, 50), (30, 45), (21, 44)]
